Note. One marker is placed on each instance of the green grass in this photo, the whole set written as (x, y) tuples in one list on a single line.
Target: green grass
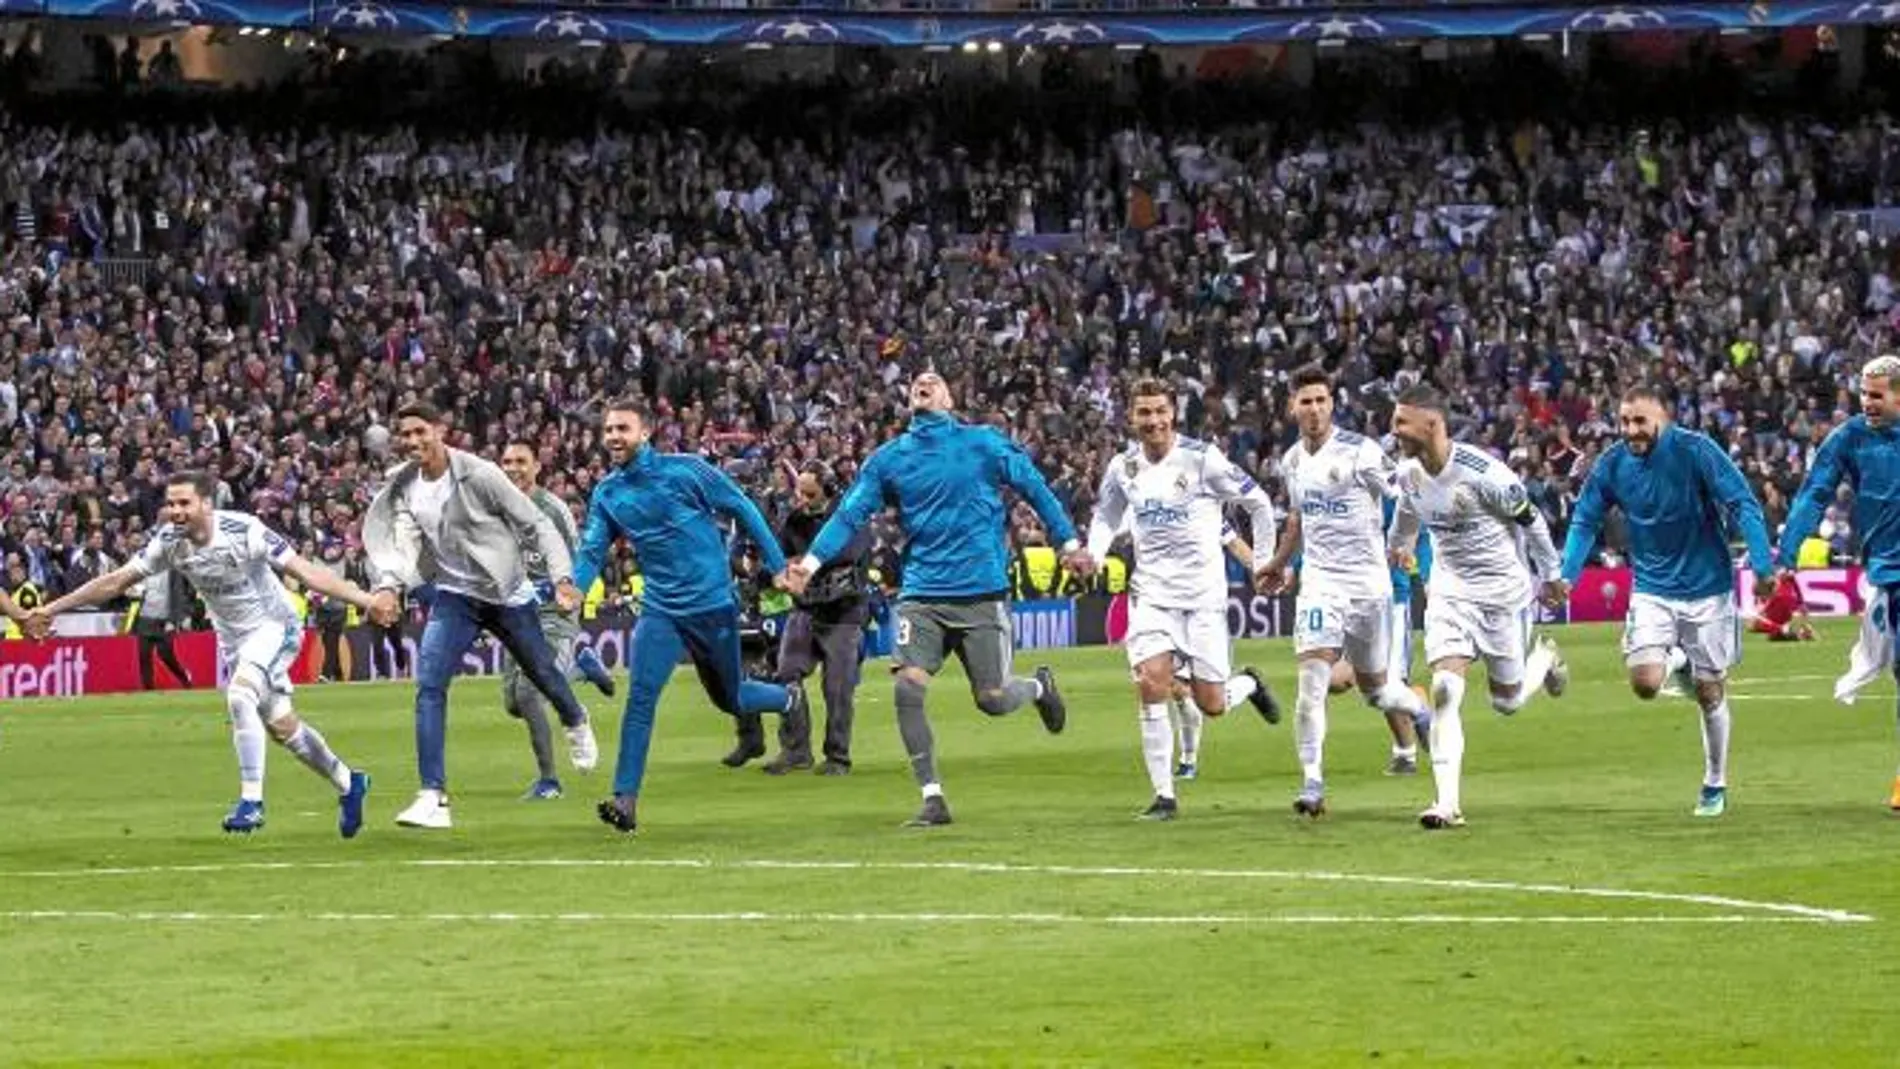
[(1592, 791)]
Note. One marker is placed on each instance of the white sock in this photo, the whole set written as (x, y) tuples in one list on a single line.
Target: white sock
[(1448, 738), (311, 748), (1188, 721), (247, 737), (1676, 660), (1239, 689), (1309, 717), (1157, 748), (1407, 752), (933, 790), (1715, 724)]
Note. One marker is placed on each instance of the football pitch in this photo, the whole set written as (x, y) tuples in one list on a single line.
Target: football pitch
[(1583, 918)]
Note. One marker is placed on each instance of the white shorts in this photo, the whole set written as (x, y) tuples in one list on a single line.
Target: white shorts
[(1398, 665), (1872, 655), (1708, 629), (1471, 630), (1359, 627), (1198, 638), (271, 649)]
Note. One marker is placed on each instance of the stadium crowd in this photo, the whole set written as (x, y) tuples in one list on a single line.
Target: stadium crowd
[(196, 282)]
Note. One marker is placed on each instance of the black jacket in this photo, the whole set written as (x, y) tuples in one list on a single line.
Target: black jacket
[(838, 590)]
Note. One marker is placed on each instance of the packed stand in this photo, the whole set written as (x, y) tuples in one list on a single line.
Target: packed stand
[(205, 286)]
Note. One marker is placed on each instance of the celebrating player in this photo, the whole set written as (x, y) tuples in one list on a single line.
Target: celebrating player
[(1681, 496), (1479, 592), (561, 626), (669, 505), (945, 478), (453, 519), (1865, 453), (233, 561), (1186, 716), (1175, 488), (1337, 483)]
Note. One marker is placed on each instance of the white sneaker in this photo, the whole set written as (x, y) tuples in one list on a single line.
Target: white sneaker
[(582, 750), (429, 810), (1437, 818), (1558, 678)]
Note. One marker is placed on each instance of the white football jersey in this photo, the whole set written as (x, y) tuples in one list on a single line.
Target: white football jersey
[(1340, 491), (1174, 508), (1472, 509), (235, 573)]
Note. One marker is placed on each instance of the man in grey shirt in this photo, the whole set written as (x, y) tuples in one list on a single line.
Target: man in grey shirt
[(562, 627)]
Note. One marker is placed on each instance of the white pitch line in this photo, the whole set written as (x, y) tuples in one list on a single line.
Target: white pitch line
[(1796, 678), (754, 917), (999, 868)]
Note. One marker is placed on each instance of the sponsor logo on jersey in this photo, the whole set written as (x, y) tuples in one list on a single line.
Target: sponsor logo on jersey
[(1154, 512)]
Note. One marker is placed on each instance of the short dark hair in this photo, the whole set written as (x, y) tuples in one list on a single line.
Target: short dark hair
[(1311, 375), (1149, 386), (1642, 393), (521, 442), (202, 483), (630, 403), (1423, 396), (422, 410)]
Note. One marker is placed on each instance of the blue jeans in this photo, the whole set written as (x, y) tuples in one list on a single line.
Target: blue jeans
[(712, 640), (454, 621)]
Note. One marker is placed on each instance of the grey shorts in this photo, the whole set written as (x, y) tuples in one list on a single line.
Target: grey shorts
[(980, 633), (518, 693)]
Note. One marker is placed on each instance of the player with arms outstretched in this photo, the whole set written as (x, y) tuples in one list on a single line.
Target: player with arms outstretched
[(1479, 595), (233, 561), (945, 478), (669, 507), (1682, 496), (1863, 452), (1175, 489), (1337, 484)]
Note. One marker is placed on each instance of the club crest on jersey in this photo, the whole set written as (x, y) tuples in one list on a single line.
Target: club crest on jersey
[(1131, 467), (1181, 483)]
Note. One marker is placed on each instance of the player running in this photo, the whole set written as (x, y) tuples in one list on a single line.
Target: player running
[(945, 479), (1175, 489), (562, 627), (670, 506), (1188, 720), (1337, 483), (1863, 452), (233, 561), (1480, 591), (1681, 496)]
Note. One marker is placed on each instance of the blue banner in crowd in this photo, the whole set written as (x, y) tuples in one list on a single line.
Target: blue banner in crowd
[(958, 29)]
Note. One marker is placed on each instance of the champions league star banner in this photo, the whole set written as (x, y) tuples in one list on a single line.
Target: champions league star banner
[(739, 28)]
